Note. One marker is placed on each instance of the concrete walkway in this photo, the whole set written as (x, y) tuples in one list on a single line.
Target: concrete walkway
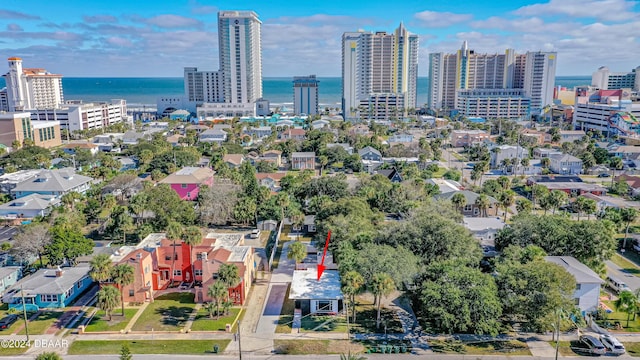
[(541, 348), (192, 317), (135, 317)]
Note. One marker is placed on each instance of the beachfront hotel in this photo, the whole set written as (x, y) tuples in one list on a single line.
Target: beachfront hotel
[(234, 89), (378, 65), (30, 88), (604, 79), (453, 75)]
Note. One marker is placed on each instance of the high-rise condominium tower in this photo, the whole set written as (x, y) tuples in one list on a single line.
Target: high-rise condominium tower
[(532, 73), (240, 56), (305, 95), (377, 65), (31, 88)]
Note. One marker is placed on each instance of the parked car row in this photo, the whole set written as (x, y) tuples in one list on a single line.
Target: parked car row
[(602, 345)]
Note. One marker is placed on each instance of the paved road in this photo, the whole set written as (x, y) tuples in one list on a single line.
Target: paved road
[(631, 280)]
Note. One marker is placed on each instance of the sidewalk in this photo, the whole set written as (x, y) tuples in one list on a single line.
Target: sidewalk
[(135, 317)]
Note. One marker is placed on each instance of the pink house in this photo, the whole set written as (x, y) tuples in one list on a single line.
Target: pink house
[(187, 181)]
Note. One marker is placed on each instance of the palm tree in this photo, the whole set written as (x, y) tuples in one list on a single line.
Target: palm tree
[(352, 285), (459, 201), (506, 199), (297, 220), (556, 199), (192, 237), (108, 300), (505, 182), (229, 275), (626, 302), (174, 232), (297, 252), (525, 163), (615, 164), (381, 286), (629, 215), (482, 202), (217, 292), (545, 162), (101, 267), (122, 275)]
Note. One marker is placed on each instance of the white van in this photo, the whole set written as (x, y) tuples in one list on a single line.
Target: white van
[(616, 284)]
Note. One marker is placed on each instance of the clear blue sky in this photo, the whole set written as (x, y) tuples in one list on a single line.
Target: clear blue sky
[(158, 37)]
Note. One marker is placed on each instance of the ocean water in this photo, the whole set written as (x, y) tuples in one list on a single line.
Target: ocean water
[(278, 90)]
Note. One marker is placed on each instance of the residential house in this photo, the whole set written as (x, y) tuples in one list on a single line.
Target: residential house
[(445, 185), (222, 127), (470, 208), (49, 288), (571, 135), (604, 201), (73, 147), (540, 152), (10, 180), (370, 153), (53, 182), (485, 230), (303, 160), (198, 128), (400, 138), (348, 148), (308, 225), (187, 181), (270, 180), (392, 174), (466, 138), (360, 129), (588, 283), (141, 289), (571, 184), (211, 135), (632, 180), (315, 296), (272, 156), (9, 275), (127, 163), (28, 207), (538, 137), (504, 152), (174, 139), (259, 132), (233, 160), (131, 138), (565, 164), (319, 124), (293, 134)]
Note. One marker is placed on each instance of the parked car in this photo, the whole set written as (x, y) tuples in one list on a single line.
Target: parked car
[(593, 345), (255, 234), (603, 175), (7, 321), (612, 344)]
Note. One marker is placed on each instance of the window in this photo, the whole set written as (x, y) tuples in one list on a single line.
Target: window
[(184, 186), (578, 286), (467, 208), (48, 298), (197, 272), (79, 284), (131, 292), (177, 272), (324, 306)]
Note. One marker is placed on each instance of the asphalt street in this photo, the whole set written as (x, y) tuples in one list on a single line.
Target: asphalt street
[(632, 281)]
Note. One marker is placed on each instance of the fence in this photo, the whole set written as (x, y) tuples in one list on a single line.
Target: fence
[(275, 244)]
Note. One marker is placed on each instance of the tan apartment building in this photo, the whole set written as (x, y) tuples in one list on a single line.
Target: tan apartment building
[(465, 138), (18, 126)]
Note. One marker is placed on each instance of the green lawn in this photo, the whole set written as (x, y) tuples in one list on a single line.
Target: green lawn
[(625, 264), (615, 316), (204, 323), (324, 323), (440, 172), (90, 347), (632, 348), (100, 322), (564, 347), (42, 323), (12, 351), (276, 256), (511, 347), (307, 347), (166, 313), (366, 320)]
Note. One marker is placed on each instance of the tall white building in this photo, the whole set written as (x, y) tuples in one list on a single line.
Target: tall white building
[(533, 73), (305, 95), (604, 79), (31, 88), (378, 63), (240, 53), (202, 86)]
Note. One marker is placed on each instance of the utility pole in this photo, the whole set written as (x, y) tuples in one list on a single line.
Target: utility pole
[(239, 345), (24, 314)]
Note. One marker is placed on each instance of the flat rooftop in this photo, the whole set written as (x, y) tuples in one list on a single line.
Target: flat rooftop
[(304, 285)]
